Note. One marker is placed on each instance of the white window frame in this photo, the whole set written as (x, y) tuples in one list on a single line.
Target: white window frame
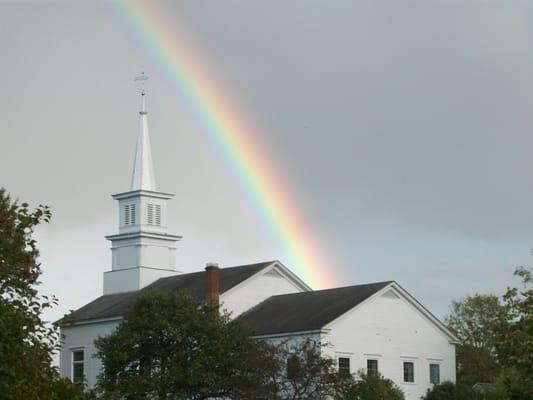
[(349, 364), (376, 359), (414, 371), (72, 362), (412, 360), (339, 355), (434, 362), (370, 356)]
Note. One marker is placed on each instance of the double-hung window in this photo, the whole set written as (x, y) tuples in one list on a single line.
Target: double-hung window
[(434, 374), (293, 366), (408, 371), (78, 368), (344, 365), (371, 367)]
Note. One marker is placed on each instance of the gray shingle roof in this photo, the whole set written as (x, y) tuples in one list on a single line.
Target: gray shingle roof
[(117, 305), (306, 311)]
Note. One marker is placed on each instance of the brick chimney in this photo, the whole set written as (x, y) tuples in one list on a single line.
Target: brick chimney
[(212, 287)]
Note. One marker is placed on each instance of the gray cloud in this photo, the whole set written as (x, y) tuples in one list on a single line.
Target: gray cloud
[(402, 128)]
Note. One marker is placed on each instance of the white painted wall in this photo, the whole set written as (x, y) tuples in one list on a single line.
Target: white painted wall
[(127, 280), (291, 341), (142, 243), (391, 330), (387, 328), (143, 251), (249, 293), (83, 337), (259, 287), (141, 201)]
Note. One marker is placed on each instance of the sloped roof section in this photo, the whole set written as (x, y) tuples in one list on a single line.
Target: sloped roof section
[(117, 305), (306, 311)]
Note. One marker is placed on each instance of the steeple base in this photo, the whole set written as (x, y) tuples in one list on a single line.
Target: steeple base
[(130, 279)]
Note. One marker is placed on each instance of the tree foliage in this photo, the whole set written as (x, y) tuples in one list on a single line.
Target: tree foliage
[(373, 387), (474, 320), (513, 384), (497, 339), (304, 373), (451, 391), (514, 344), (26, 341), (173, 346)]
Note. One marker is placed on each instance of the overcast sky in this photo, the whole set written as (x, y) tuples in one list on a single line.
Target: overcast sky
[(405, 129)]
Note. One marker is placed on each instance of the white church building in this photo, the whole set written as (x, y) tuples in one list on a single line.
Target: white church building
[(374, 327)]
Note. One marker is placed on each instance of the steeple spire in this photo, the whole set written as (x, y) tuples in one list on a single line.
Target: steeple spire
[(143, 168), (143, 250)]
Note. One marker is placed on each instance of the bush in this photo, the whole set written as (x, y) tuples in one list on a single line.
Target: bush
[(451, 391), (373, 387), (514, 385)]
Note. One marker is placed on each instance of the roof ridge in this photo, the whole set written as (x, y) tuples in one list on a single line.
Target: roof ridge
[(266, 263), (384, 283), (193, 282)]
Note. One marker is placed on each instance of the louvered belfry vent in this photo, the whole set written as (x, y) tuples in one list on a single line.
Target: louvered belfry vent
[(158, 214), (129, 214), (150, 214), (153, 214), (132, 214)]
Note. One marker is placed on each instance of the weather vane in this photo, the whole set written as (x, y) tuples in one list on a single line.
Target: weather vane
[(141, 79)]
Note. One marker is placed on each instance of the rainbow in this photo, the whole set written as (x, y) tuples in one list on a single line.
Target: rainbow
[(227, 128)]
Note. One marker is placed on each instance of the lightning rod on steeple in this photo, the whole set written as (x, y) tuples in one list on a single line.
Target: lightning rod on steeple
[(143, 169), (141, 80)]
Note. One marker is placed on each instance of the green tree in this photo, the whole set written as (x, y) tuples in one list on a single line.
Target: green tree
[(513, 384), (26, 341), (451, 391), (305, 374), (373, 387), (174, 346), (474, 321), (497, 340), (514, 344)]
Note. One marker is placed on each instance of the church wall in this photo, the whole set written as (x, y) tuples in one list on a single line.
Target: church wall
[(158, 256), (125, 257), (143, 252), (293, 341), (83, 337), (256, 290), (126, 280), (150, 275), (391, 330)]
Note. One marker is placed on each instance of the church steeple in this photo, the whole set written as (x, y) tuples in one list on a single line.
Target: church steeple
[(143, 168), (143, 251)]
